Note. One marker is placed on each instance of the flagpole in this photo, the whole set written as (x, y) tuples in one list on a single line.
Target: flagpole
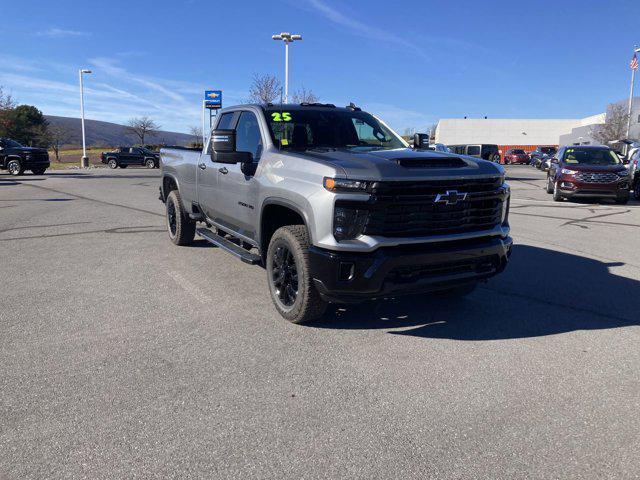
[(633, 79)]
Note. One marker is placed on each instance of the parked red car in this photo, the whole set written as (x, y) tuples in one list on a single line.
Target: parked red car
[(516, 155), (588, 171)]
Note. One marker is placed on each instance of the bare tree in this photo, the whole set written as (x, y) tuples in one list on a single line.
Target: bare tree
[(58, 135), (142, 127), (614, 127), (304, 96), (6, 101), (196, 133), (264, 89), (6, 106)]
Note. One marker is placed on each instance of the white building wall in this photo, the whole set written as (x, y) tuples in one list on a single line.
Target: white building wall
[(451, 131)]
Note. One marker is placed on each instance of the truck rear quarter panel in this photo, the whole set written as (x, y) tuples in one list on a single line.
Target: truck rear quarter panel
[(181, 166)]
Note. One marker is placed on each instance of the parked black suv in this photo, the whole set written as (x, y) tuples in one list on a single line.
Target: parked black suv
[(489, 152), (124, 156), (17, 158)]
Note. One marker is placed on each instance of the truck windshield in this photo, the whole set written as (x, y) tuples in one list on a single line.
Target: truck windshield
[(591, 157), (306, 129)]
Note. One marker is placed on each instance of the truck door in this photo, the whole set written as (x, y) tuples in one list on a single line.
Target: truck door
[(124, 157), (237, 189), (207, 174)]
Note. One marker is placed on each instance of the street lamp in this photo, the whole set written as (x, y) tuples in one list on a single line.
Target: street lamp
[(84, 163), (287, 38)]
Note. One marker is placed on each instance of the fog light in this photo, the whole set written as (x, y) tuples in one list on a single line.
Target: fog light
[(623, 186), (346, 271), (567, 185)]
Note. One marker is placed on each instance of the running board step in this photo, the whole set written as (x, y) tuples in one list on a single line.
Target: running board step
[(229, 246)]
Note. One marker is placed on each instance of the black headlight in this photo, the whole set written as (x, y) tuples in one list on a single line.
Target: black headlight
[(348, 223)]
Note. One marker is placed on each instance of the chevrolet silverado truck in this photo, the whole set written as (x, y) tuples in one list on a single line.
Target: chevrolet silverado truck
[(17, 158), (336, 207), (124, 156)]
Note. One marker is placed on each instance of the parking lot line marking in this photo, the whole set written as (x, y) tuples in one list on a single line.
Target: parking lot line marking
[(190, 287)]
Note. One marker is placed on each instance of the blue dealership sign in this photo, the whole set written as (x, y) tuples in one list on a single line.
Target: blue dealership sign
[(213, 98)]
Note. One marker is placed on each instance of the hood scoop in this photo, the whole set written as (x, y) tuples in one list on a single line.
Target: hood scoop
[(430, 162)]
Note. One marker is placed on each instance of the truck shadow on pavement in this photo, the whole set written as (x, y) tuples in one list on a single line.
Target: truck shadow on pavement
[(542, 292)]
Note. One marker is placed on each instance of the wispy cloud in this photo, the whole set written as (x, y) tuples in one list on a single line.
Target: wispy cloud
[(362, 29), (61, 32)]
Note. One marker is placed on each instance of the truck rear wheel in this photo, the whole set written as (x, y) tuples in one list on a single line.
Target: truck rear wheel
[(182, 229), (289, 276)]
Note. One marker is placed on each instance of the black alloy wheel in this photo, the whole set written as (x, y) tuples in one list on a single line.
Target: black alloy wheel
[(284, 275)]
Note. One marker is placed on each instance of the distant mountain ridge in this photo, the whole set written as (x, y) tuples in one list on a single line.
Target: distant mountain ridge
[(107, 134)]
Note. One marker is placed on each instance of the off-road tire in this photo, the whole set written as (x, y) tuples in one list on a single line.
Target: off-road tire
[(38, 171), (112, 163), (123, 166), (308, 305), (181, 228), (15, 168)]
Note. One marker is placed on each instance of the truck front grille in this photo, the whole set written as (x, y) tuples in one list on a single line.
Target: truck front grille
[(409, 209)]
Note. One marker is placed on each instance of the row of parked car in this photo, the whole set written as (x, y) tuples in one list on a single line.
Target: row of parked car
[(573, 171)]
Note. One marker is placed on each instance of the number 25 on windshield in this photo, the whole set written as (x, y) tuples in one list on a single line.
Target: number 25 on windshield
[(281, 116)]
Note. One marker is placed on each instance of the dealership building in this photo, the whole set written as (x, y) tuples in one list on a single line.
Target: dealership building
[(528, 133)]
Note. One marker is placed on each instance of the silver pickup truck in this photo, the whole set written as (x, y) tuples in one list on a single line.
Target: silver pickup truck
[(337, 207)]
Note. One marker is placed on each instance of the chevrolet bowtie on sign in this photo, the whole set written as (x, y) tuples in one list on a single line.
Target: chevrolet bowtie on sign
[(213, 99)]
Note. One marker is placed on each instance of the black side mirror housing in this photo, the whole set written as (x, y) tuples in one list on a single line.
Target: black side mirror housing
[(554, 160), (421, 140), (223, 148)]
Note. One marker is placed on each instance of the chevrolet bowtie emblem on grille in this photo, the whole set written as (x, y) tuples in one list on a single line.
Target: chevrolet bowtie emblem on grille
[(450, 198)]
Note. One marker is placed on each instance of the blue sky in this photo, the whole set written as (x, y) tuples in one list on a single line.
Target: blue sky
[(409, 62)]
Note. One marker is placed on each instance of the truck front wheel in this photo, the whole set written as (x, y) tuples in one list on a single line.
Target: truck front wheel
[(289, 276), (182, 229)]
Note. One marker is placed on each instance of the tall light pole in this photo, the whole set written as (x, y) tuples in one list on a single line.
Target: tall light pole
[(84, 163), (636, 50), (287, 38)]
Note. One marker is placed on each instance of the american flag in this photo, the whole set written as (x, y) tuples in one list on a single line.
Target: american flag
[(634, 62)]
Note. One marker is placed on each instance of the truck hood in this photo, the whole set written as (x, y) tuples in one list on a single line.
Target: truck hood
[(26, 150), (404, 164)]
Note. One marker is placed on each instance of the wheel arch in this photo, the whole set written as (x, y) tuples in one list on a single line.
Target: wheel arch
[(276, 213), (169, 183)]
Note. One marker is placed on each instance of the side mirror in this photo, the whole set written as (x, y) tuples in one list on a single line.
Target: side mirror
[(223, 148), (421, 140), (554, 160)]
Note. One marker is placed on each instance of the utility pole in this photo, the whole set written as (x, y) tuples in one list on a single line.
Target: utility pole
[(84, 163), (287, 38)]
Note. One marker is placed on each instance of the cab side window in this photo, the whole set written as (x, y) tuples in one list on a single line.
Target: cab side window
[(248, 138)]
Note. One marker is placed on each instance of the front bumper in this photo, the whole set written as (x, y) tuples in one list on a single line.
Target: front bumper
[(35, 162), (570, 188), (344, 277)]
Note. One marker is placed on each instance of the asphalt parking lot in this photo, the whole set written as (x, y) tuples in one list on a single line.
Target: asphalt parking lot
[(124, 356)]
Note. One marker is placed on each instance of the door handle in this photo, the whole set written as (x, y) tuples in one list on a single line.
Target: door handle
[(223, 170), (202, 166)]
